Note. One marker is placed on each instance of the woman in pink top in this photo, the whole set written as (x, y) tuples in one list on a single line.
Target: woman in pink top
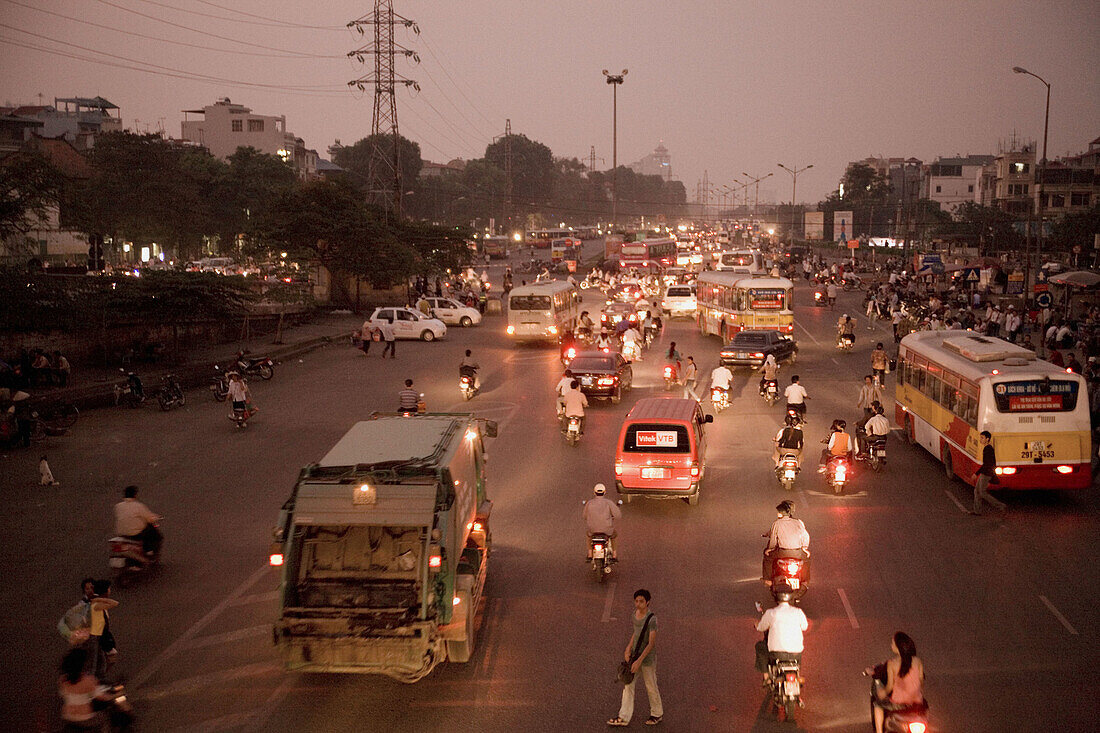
[(904, 680), (78, 690)]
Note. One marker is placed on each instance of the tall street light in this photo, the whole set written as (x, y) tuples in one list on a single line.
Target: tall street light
[(1042, 175), (614, 80), (794, 187), (756, 200)]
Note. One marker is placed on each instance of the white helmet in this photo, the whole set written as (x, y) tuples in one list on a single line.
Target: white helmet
[(599, 489)]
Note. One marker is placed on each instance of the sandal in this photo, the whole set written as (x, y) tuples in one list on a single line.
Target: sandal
[(653, 720), (617, 722)]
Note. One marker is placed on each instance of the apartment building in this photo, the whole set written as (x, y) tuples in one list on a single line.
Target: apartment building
[(223, 127)]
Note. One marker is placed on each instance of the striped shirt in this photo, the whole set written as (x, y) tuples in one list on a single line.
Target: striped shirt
[(408, 399)]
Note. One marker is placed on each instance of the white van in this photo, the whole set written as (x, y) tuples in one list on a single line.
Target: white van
[(542, 311), (679, 300)]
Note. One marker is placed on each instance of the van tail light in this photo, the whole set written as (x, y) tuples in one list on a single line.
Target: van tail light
[(276, 559), (618, 468), (917, 727), (1064, 469), (695, 470)]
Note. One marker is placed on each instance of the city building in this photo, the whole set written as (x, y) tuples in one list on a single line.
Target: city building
[(16, 130), (428, 169), (657, 163), (903, 175), (224, 127), (1014, 178), (952, 181), (76, 119)]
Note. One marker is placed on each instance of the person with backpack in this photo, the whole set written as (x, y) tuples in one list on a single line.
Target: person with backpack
[(640, 659)]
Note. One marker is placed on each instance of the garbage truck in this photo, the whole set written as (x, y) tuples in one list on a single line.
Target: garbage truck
[(384, 548)]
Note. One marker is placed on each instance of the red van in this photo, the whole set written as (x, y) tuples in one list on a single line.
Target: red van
[(662, 450)]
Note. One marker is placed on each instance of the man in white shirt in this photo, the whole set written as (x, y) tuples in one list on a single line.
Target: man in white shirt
[(563, 387), (784, 626), (796, 397), (575, 402), (876, 428), (135, 520), (721, 377)]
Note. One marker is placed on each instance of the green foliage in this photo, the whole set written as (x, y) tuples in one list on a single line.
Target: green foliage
[(356, 159), (29, 187), (980, 225), (1075, 230)]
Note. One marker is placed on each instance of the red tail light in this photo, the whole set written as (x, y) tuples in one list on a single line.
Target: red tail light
[(790, 676), (618, 468), (790, 567), (571, 353), (435, 562), (695, 471), (668, 372), (1064, 469), (276, 559), (917, 727)]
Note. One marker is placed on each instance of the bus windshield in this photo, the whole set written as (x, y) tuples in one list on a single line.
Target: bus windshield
[(1036, 395), (529, 303)]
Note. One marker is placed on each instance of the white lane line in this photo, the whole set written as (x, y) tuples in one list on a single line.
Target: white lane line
[(211, 679), (1058, 615), (145, 673), (265, 711), (954, 499), (256, 598), (812, 337), (228, 637), (848, 608), (608, 602)]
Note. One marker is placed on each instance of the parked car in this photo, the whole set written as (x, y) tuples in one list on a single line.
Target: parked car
[(409, 323), (679, 300), (602, 375), (751, 348), (454, 313)]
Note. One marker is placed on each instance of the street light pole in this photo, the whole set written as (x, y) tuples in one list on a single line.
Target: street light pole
[(614, 80), (794, 188), (1042, 175), (756, 199)]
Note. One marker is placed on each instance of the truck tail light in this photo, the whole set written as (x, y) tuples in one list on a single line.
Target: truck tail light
[(276, 559), (435, 562)]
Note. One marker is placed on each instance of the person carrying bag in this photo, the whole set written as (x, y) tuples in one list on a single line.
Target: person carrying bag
[(640, 662), (625, 676)]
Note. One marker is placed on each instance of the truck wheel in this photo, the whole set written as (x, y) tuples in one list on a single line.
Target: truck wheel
[(461, 651), (427, 335)]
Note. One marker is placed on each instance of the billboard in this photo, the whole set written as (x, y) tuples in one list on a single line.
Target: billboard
[(814, 224), (842, 226)]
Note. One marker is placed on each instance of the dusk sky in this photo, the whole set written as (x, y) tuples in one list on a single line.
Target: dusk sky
[(728, 86)]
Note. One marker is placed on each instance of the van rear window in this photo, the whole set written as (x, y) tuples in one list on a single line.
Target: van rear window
[(645, 438), (529, 303)]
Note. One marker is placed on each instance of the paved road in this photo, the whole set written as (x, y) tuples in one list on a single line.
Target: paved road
[(1002, 610)]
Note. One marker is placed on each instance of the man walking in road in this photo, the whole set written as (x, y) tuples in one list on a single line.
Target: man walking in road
[(390, 338), (984, 475), (691, 379), (641, 654)]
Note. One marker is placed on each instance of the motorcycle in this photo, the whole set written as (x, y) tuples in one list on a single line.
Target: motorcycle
[(219, 384), (787, 470), (910, 719), (820, 299), (568, 355), (650, 333), (467, 382), (845, 342), (130, 392), (720, 398), (263, 367), (787, 572), (771, 391), (571, 429), (837, 471), (852, 283), (128, 558), (784, 685), (671, 377), (599, 546), (170, 393), (872, 449), (631, 351)]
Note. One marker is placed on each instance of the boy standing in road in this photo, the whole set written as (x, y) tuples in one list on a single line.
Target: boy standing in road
[(643, 664), (390, 338)]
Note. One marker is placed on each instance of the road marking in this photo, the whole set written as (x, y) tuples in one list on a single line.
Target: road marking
[(812, 337), (198, 682), (256, 598), (1058, 615), (260, 716), (956, 502), (848, 608), (608, 602), (229, 636), (856, 495), (145, 673)]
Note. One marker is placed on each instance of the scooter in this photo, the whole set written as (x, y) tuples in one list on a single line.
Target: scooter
[(911, 719), (170, 393), (771, 391), (128, 558), (787, 470), (820, 299), (631, 351), (568, 355), (837, 471), (599, 547), (671, 377), (467, 382), (263, 366), (784, 685), (873, 449), (845, 342), (720, 398), (131, 392), (787, 573), (571, 429), (219, 384)]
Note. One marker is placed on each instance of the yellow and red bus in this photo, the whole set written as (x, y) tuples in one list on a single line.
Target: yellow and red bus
[(728, 302), (952, 385), (658, 252)]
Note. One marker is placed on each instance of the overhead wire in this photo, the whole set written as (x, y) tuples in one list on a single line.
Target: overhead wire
[(428, 47), (162, 40), (473, 127), (270, 21)]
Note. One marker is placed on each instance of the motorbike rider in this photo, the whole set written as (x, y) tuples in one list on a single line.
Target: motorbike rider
[(769, 372), (789, 439), (903, 686), (632, 343), (469, 367), (574, 403), (600, 515), (788, 538), (603, 341), (721, 378), (796, 397), (783, 627), (839, 444), (136, 521), (673, 359), (877, 428), (846, 329), (562, 387), (585, 325), (649, 328)]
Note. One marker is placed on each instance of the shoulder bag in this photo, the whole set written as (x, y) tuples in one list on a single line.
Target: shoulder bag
[(625, 676)]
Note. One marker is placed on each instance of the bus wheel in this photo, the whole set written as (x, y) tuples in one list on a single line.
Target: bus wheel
[(948, 468)]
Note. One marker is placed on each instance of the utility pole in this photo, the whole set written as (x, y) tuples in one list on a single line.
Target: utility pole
[(592, 158), (756, 199), (384, 168), (508, 171), (1039, 187), (615, 80), (794, 188)]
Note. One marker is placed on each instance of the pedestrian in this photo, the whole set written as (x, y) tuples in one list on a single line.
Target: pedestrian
[(366, 335), (880, 362), (62, 368), (985, 475), (869, 394), (45, 474), (390, 338), (691, 379), (1013, 321), (641, 655), (101, 642)]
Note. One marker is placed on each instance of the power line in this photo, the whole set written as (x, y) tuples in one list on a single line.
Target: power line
[(457, 108), (273, 21), (443, 66), (158, 39), (206, 33)]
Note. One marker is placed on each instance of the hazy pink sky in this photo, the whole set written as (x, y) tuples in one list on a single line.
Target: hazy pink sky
[(729, 86)]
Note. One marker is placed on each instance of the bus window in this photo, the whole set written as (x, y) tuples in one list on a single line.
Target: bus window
[(949, 397)]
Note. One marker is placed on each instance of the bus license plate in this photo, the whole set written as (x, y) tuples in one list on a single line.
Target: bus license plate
[(651, 472)]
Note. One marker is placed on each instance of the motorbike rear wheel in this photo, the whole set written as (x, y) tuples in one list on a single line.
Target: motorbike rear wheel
[(165, 401), (265, 371)]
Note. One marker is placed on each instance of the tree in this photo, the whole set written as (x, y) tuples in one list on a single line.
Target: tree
[(356, 159), (1075, 230), (249, 186), (533, 170), (981, 226), (867, 195), (29, 187)]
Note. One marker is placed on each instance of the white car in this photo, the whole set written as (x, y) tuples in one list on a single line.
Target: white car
[(409, 323), (454, 313), (679, 300)]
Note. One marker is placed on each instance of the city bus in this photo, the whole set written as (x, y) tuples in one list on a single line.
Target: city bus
[(645, 253), (951, 385), (729, 302), (495, 247), (741, 261), (568, 248), (542, 311), (541, 238)]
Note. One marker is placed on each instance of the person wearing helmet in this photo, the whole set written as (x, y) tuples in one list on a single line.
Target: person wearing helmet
[(789, 439), (839, 444), (783, 627), (600, 515), (788, 538)]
